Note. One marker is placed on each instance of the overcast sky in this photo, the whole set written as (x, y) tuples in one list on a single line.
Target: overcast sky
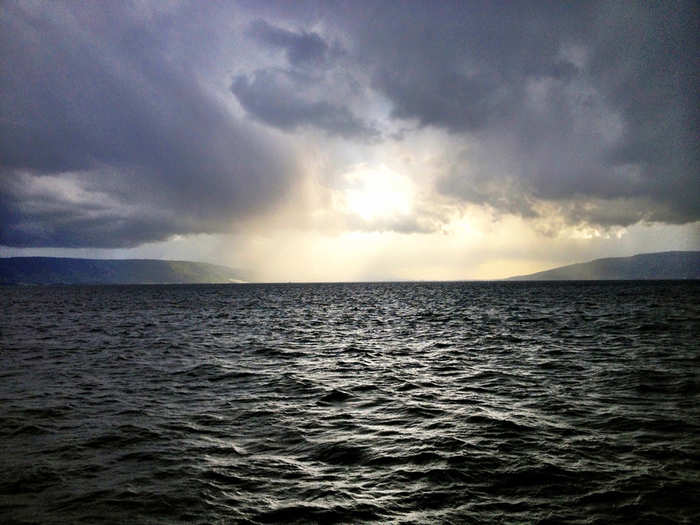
[(350, 140)]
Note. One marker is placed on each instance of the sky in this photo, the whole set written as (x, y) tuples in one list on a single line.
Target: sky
[(350, 141)]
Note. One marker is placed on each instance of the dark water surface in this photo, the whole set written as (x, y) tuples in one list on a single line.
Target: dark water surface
[(347, 403)]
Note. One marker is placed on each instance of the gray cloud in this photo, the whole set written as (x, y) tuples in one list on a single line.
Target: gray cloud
[(464, 65), (557, 102), (301, 48), (306, 94), (93, 92), (271, 96)]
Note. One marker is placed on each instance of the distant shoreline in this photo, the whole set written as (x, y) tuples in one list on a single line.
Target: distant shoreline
[(65, 271), (675, 265)]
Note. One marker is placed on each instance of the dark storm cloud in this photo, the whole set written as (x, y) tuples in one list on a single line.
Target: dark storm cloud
[(288, 99), (301, 48), (271, 96), (464, 65), (557, 101), (96, 91)]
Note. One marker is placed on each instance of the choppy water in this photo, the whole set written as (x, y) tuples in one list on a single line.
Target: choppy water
[(405, 403)]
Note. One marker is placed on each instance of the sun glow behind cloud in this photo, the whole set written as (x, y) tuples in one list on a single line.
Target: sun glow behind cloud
[(377, 193)]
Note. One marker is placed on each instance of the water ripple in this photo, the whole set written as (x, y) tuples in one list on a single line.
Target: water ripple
[(348, 403)]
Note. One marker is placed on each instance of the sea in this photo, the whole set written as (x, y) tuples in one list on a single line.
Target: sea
[(459, 402)]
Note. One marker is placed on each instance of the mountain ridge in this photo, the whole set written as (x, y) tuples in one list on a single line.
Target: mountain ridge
[(67, 270), (643, 266)]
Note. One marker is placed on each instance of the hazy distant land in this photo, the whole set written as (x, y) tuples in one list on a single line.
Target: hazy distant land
[(59, 270), (662, 265)]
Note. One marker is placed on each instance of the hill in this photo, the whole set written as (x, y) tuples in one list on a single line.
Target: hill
[(59, 270), (662, 265)]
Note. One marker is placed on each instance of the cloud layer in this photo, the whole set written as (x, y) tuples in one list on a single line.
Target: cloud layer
[(94, 98), (561, 103), (128, 123)]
